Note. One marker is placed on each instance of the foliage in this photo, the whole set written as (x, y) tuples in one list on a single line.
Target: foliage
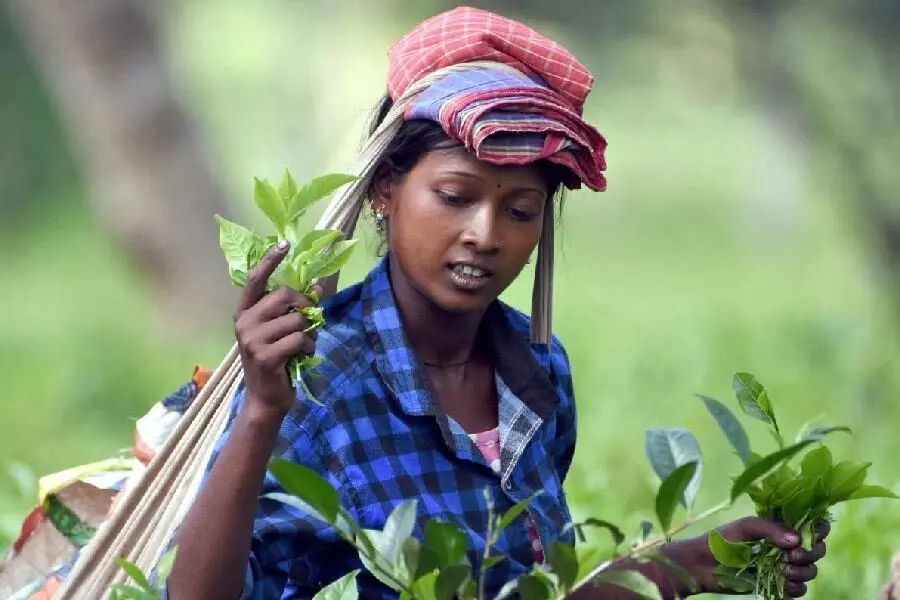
[(437, 567), (312, 255), (799, 495)]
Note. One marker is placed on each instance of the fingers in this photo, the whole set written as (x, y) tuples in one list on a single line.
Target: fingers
[(753, 528), (278, 303), (800, 574), (255, 288), (794, 589), (822, 529), (285, 326), (800, 557), (293, 344)]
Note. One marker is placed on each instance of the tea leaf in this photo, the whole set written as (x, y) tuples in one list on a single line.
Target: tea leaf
[(798, 507), (448, 542), (314, 191), (730, 554), (236, 242), (645, 528), (423, 588), (340, 524), (730, 426), (508, 589), (818, 433), (491, 561), (750, 394), (671, 492), (267, 199), (135, 573), (238, 278), (532, 587), (510, 515), (450, 580), (317, 239), (259, 247), (287, 188), (332, 261), (375, 563), (632, 581), (763, 466), (564, 562), (816, 462), (397, 529), (872, 491), (469, 590), (342, 589), (617, 535), (307, 485), (428, 561), (120, 591), (668, 449), (165, 564), (411, 551), (845, 478)]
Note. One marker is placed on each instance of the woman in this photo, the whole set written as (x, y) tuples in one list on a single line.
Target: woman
[(430, 387)]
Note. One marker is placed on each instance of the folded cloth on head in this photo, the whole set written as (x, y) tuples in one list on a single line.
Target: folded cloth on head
[(501, 116)]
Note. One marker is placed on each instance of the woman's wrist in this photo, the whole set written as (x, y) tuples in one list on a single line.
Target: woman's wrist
[(690, 556)]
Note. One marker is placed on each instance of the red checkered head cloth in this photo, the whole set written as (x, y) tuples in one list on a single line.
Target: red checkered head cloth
[(532, 113), (465, 34)]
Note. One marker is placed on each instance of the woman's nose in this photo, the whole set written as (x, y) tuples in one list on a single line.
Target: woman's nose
[(480, 231)]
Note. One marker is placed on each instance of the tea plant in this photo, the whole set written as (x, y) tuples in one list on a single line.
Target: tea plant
[(312, 254), (797, 495), (437, 566)]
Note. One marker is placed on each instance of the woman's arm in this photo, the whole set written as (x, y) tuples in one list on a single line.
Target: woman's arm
[(214, 539), (694, 557), (670, 587)]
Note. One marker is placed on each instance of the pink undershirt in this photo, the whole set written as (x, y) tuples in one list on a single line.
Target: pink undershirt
[(488, 443)]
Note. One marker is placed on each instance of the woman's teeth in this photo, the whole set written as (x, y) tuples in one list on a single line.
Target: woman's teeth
[(469, 270)]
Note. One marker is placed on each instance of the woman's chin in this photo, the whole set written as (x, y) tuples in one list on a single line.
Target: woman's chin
[(461, 303)]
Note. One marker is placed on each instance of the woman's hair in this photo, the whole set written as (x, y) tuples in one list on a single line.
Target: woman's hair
[(418, 137)]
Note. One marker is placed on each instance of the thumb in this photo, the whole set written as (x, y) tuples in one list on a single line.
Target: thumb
[(753, 528)]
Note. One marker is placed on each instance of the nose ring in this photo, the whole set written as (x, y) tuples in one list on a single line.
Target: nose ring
[(500, 244)]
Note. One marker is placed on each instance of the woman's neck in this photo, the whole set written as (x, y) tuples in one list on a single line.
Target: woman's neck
[(440, 338)]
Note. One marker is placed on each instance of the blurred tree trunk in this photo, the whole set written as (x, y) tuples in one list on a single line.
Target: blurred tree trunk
[(149, 176), (796, 96)]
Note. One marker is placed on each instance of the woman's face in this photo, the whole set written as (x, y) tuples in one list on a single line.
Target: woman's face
[(461, 230)]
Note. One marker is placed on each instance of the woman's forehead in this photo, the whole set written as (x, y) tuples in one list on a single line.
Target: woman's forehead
[(461, 162)]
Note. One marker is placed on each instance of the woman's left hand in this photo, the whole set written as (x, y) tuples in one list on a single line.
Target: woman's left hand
[(694, 554)]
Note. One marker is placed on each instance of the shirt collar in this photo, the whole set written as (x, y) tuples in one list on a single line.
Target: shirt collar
[(518, 364)]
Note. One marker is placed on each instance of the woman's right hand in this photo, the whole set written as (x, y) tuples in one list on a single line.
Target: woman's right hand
[(269, 332)]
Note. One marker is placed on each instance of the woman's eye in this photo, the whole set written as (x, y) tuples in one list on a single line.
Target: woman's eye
[(452, 199), (521, 215)]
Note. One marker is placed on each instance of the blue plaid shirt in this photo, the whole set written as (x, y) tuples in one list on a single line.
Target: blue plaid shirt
[(380, 438)]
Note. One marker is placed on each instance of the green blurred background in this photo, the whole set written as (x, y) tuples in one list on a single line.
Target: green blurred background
[(751, 222)]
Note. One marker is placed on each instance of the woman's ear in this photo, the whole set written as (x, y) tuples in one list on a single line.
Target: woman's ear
[(381, 192)]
